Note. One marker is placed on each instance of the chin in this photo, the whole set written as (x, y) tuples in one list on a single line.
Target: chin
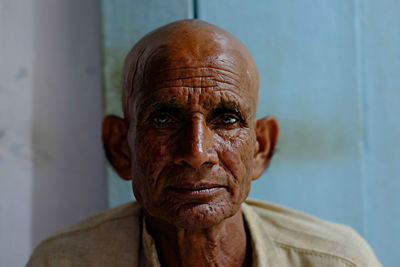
[(201, 215)]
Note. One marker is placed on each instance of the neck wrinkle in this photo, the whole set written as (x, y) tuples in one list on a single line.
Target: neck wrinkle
[(226, 244)]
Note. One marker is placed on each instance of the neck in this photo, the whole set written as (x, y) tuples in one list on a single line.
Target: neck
[(225, 244)]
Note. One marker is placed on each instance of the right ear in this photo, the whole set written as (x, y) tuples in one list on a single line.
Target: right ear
[(114, 136)]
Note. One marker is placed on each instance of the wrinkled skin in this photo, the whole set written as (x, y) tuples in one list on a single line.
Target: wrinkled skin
[(192, 143)]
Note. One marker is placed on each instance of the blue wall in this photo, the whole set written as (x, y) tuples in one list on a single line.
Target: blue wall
[(330, 75)]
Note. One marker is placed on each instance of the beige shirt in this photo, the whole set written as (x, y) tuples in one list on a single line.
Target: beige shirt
[(279, 237)]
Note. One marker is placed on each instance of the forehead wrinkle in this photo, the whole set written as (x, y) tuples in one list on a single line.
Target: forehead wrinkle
[(201, 69), (212, 100), (172, 90), (185, 75), (195, 83)]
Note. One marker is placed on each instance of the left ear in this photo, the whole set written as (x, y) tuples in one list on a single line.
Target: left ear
[(267, 131)]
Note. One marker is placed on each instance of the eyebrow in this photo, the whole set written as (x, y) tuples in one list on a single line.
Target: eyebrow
[(164, 104), (231, 106), (170, 103), (224, 107), (220, 108)]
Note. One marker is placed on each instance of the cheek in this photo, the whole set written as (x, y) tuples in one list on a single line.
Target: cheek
[(236, 153), (149, 156), (150, 150)]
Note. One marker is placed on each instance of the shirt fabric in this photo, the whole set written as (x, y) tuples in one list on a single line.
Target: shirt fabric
[(279, 237)]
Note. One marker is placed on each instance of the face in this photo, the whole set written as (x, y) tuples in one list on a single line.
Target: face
[(192, 142)]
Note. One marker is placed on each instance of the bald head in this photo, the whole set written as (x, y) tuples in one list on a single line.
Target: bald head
[(190, 100), (170, 51)]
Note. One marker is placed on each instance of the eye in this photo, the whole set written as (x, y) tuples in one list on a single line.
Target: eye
[(162, 119), (228, 119)]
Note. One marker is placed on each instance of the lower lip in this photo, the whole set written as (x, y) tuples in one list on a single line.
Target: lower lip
[(198, 193)]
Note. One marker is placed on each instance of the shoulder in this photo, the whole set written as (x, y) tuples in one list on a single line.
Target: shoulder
[(113, 232), (308, 237)]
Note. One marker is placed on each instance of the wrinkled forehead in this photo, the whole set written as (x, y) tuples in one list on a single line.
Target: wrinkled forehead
[(197, 72), (208, 52), (185, 50)]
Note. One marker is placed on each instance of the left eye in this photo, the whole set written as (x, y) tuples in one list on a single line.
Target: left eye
[(228, 119)]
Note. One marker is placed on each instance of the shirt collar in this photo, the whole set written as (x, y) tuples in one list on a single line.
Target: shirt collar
[(263, 248), (149, 247)]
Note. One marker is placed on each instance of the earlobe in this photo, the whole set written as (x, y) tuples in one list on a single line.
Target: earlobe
[(114, 136), (267, 131)]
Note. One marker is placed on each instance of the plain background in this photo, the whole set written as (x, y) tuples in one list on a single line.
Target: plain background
[(51, 160)]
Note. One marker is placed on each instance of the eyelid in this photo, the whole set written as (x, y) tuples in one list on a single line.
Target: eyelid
[(162, 111), (155, 114), (218, 119), (233, 113), (172, 116)]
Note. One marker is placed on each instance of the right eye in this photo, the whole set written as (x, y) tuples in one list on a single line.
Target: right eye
[(162, 119)]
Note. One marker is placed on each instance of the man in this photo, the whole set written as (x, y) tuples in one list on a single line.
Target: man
[(190, 142)]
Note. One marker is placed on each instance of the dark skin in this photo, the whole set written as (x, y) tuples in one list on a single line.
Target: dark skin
[(190, 141)]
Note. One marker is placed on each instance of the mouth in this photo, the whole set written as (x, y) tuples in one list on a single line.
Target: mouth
[(197, 191)]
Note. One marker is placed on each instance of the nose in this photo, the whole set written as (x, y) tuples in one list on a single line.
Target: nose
[(196, 147)]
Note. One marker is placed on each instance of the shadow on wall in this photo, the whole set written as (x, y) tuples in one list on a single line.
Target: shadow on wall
[(69, 179)]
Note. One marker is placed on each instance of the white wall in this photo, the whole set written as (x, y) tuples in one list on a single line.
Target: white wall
[(51, 161), (16, 166)]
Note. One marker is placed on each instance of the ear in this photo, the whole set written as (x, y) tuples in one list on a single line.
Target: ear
[(114, 136), (267, 131)]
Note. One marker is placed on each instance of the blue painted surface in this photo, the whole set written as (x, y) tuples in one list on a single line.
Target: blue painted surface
[(381, 73), (330, 75)]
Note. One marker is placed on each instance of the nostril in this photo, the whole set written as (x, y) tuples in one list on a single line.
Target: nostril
[(208, 164), (196, 158), (180, 162)]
